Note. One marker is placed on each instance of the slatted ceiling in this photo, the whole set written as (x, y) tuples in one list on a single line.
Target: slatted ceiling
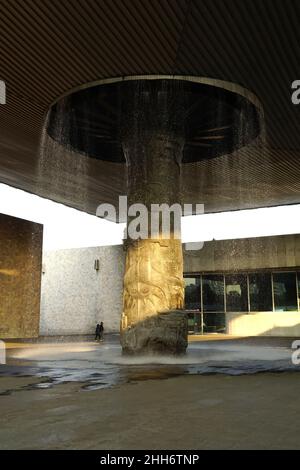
[(27, 61), (144, 24), (55, 46), (25, 112), (84, 43), (15, 126), (46, 54), (51, 46), (129, 49), (17, 135), (20, 64), (278, 61), (243, 47), (199, 42), (126, 61), (32, 109), (65, 35), (228, 49), (171, 19)]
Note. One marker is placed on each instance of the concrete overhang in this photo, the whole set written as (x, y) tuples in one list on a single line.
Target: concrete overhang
[(50, 47)]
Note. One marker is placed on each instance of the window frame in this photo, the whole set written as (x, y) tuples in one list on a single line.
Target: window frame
[(200, 276)]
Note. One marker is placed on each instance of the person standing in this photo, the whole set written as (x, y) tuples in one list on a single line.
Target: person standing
[(101, 331), (97, 332)]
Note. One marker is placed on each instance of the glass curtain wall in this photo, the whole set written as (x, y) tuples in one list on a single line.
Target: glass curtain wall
[(208, 297)]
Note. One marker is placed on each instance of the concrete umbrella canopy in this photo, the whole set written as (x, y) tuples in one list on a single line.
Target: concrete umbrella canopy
[(154, 125)]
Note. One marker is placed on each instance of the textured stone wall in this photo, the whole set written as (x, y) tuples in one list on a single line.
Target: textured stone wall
[(20, 277), (75, 296), (249, 253)]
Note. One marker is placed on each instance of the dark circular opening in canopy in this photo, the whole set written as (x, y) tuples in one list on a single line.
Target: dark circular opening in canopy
[(212, 121)]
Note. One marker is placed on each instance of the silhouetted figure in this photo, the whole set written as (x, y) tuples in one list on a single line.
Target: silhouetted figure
[(101, 331), (97, 332)]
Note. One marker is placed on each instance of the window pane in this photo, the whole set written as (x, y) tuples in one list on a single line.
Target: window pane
[(191, 322), (236, 293), (285, 294), (194, 322), (214, 323), (192, 293), (213, 293), (260, 287)]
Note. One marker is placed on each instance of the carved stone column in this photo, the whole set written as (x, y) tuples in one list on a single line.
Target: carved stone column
[(153, 283)]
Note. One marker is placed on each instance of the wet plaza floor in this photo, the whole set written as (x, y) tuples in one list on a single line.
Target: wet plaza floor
[(98, 365), (71, 393)]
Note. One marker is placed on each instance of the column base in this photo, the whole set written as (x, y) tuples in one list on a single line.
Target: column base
[(162, 334)]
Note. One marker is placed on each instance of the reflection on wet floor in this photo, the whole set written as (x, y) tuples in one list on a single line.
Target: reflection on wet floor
[(96, 366)]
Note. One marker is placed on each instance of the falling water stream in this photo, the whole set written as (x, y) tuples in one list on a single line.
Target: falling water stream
[(62, 173)]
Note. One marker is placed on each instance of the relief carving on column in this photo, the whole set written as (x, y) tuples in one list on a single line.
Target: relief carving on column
[(153, 280)]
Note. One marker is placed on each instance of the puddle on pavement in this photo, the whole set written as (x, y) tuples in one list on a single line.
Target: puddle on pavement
[(103, 366)]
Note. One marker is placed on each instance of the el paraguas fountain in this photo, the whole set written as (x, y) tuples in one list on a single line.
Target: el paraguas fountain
[(154, 125)]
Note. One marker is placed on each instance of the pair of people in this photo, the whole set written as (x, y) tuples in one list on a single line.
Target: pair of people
[(99, 331)]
